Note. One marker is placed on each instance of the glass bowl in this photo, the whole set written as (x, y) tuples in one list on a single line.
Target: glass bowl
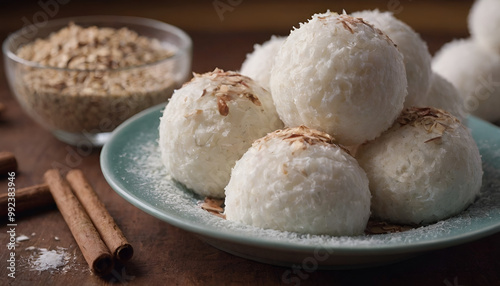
[(82, 106)]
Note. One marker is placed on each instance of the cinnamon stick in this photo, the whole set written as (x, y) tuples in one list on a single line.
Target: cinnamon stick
[(2, 108), (30, 198), (93, 248), (8, 163), (104, 223)]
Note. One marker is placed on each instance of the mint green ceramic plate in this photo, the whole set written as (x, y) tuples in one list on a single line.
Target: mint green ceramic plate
[(131, 164)]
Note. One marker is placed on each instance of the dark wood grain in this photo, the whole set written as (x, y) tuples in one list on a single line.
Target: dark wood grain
[(166, 255)]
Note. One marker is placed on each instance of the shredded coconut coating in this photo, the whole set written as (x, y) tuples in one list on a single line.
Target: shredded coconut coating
[(444, 95), (484, 24), (299, 180), (475, 72), (424, 169), (208, 124), (340, 75), (417, 58), (259, 62)]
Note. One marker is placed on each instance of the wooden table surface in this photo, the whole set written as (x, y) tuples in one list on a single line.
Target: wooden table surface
[(166, 255)]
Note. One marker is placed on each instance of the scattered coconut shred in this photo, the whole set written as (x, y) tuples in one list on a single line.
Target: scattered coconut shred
[(148, 174), (21, 238), (42, 259)]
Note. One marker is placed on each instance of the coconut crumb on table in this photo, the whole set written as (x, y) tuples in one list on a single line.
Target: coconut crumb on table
[(53, 259), (98, 73), (21, 238)]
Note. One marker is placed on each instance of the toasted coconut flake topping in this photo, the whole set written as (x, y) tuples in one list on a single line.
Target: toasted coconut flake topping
[(213, 206), (223, 108), (432, 120), (348, 22), (229, 85), (301, 137)]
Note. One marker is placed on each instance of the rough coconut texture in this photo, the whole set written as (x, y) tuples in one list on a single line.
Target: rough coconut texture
[(424, 169), (339, 75), (208, 124), (444, 95), (299, 180), (416, 55), (475, 73), (484, 24), (259, 63)]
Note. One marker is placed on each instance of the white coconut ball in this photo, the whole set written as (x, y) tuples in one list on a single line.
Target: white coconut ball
[(424, 169), (299, 180), (475, 73), (339, 75), (416, 55), (484, 24), (259, 63), (444, 95), (208, 124)]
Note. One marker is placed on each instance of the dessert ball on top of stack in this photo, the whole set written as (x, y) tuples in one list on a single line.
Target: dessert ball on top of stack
[(258, 64), (340, 75), (299, 180), (475, 72), (424, 169), (416, 55), (208, 124)]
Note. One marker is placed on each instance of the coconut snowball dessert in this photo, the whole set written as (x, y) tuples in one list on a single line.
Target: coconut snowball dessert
[(340, 75), (208, 124), (417, 58), (444, 95), (259, 63), (484, 24), (424, 169), (298, 179), (475, 73)]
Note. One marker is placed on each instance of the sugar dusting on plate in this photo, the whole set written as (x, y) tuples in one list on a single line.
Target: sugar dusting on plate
[(146, 173)]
